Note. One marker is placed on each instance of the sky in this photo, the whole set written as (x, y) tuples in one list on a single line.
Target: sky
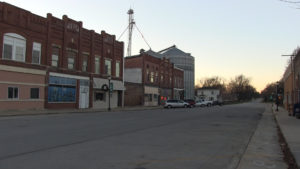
[(227, 38)]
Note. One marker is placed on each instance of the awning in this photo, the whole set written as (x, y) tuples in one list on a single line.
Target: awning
[(99, 82)]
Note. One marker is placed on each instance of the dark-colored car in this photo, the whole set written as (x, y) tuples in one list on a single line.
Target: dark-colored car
[(191, 102)]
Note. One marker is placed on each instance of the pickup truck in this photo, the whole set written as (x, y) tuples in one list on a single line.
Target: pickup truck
[(202, 103)]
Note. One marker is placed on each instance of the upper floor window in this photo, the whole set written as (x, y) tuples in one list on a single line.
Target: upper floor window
[(117, 69), (97, 64), (55, 56), (71, 59), (85, 62), (14, 47), (152, 77), (36, 53), (107, 67)]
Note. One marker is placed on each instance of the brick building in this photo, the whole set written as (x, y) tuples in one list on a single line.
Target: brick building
[(291, 79), (150, 80), (56, 63)]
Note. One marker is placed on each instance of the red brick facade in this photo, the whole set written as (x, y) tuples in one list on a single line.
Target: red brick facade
[(157, 72), (65, 37)]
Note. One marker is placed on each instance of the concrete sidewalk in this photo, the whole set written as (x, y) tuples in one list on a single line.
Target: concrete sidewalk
[(4, 113), (290, 128), (263, 150)]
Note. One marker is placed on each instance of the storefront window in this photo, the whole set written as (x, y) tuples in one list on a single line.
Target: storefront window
[(61, 89), (99, 96)]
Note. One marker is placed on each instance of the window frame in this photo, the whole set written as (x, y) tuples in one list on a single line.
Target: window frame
[(37, 93), (13, 94), (107, 68), (54, 48), (15, 41), (117, 73), (97, 71), (36, 46), (103, 96)]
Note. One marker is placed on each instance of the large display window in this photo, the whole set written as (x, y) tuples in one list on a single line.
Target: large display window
[(61, 89)]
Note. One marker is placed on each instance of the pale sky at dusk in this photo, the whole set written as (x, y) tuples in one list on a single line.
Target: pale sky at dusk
[(227, 38)]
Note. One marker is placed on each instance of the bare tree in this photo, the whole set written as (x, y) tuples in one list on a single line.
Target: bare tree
[(213, 82), (241, 87)]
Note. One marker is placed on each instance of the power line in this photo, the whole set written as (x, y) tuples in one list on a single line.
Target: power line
[(142, 36)]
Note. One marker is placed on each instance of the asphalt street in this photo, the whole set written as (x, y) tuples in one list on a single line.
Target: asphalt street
[(192, 138)]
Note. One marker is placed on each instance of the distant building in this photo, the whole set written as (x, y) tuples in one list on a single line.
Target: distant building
[(208, 93), (186, 62), (150, 80)]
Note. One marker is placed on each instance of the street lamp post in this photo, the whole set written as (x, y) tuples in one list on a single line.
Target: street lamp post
[(277, 99), (109, 78)]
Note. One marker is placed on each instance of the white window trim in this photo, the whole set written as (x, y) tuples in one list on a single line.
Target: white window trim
[(38, 47), (99, 57), (118, 62), (108, 59), (16, 41)]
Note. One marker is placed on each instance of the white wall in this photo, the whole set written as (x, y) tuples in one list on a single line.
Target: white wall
[(133, 75), (208, 93)]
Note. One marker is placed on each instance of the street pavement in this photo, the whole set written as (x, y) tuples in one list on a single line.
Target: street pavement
[(290, 127), (209, 138)]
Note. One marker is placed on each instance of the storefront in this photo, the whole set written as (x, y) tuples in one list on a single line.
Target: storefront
[(178, 94), (150, 96), (67, 91), (165, 94), (101, 97)]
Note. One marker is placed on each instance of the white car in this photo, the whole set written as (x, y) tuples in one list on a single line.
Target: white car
[(176, 103), (202, 103)]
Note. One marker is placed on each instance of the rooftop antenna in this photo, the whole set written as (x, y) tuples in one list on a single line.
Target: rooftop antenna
[(130, 27)]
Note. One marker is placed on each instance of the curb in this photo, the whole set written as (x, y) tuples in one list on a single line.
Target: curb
[(289, 157), (45, 112)]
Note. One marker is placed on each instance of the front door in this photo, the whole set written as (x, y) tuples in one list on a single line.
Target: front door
[(84, 94), (120, 98)]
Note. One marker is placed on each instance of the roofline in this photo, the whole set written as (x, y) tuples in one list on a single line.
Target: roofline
[(174, 46)]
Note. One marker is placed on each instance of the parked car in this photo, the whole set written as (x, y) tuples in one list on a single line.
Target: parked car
[(217, 102), (176, 103), (191, 102), (202, 103)]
